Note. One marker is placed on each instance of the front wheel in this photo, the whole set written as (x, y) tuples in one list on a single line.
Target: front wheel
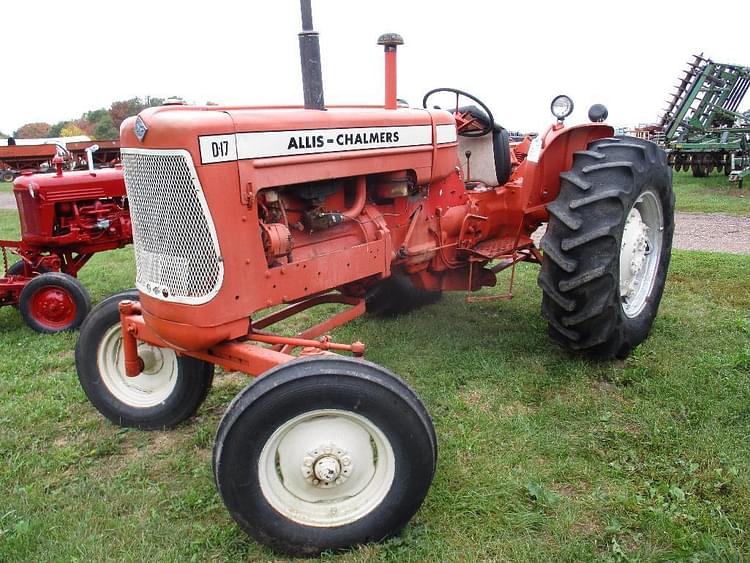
[(168, 390), (607, 247), (323, 454), (53, 302)]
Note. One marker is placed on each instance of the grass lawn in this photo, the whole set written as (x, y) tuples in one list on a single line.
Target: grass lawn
[(543, 456), (6, 186), (713, 194)]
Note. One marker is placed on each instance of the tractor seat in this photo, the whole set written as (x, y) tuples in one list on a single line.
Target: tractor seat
[(490, 155)]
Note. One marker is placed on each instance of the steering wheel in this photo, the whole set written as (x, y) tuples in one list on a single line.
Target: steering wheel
[(465, 122)]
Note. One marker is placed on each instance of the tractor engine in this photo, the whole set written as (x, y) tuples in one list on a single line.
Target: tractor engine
[(246, 216)]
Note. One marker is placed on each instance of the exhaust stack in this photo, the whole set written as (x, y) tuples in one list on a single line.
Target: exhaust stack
[(390, 42), (309, 53)]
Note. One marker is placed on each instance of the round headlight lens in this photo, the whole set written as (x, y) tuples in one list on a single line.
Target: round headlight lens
[(562, 106)]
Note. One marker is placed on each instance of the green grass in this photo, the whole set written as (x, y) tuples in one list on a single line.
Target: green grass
[(6, 186), (714, 194), (543, 456)]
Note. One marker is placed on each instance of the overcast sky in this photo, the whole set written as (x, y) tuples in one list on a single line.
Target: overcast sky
[(63, 59)]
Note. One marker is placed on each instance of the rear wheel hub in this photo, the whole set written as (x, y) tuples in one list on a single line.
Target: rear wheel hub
[(639, 252)]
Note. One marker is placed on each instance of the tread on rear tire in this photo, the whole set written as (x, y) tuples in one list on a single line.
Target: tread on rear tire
[(594, 301)]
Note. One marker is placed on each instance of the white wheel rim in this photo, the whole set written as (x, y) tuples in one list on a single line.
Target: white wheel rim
[(642, 240), (326, 468), (154, 384)]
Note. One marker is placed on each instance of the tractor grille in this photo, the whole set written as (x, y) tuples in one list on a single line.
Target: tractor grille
[(176, 250)]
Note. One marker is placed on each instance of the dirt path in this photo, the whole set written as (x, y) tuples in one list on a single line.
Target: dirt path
[(713, 232)]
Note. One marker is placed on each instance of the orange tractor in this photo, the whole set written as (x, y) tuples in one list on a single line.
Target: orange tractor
[(240, 209)]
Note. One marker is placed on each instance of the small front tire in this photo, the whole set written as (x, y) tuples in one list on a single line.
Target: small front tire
[(169, 390), (54, 302), (323, 454)]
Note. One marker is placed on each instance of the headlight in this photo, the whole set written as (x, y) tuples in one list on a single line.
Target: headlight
[(562, 107)]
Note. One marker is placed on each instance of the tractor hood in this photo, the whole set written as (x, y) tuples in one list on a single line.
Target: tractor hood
[(265, 138)]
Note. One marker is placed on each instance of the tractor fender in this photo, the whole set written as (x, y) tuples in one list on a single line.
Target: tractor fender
[(552, 153)]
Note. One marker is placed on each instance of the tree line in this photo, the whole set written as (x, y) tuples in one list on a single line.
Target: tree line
[(99, 124)]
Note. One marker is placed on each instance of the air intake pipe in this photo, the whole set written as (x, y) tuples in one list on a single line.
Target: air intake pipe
[(390, 42)]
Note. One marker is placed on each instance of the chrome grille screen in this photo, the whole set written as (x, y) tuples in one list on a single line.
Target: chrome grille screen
[(176, 250)]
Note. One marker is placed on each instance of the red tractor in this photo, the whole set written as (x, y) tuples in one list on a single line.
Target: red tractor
[(65, 219), (237, 210)]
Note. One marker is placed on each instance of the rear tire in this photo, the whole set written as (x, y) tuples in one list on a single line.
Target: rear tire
[(324, 453), (54, 302), (16, 269), (169, 390), (607, 247), (19, 269), (397, 295)]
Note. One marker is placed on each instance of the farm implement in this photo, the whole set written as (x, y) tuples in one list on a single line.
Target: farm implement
[(701, 125), (16, 158), (238, 210), (66, 218), (106, 155)]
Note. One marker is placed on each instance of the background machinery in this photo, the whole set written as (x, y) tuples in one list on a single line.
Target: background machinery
[(702, 127), (106, 155), (18, 158), (240, 210), (66, 218)]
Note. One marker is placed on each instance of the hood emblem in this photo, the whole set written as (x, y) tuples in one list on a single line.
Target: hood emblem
[(140, 128)]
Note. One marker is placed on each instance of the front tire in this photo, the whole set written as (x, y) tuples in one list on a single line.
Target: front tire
[(169, 390), (324, 453), (53, 302), (607, 247)]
